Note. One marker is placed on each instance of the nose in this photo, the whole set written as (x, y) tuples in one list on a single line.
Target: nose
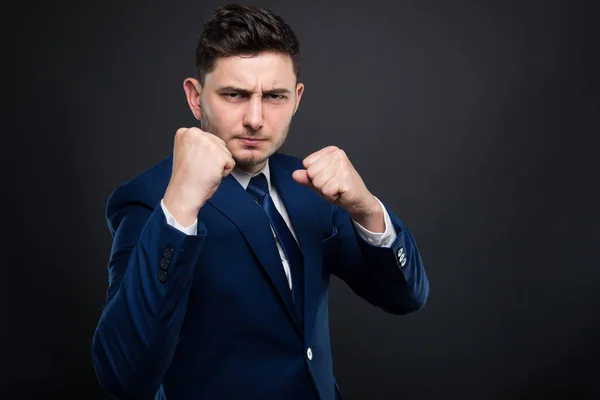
[(253, 118)]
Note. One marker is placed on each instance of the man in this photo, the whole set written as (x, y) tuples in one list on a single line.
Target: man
[(222, 254)]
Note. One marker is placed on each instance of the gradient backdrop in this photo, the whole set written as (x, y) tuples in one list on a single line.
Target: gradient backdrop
[(475, 121)]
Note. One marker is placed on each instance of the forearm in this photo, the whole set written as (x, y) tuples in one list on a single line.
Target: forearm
[(136, 336), (396, 275), (385, 269)]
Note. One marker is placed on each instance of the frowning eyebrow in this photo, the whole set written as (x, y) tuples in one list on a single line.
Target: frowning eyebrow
[(230, 89)]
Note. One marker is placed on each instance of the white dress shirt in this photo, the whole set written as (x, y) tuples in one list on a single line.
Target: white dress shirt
[(384, 239)]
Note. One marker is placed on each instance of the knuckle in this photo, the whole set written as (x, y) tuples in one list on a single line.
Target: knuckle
[(180, 132), (193, 133)]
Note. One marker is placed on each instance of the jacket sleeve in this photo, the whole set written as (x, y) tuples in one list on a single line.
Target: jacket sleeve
[(392, 278), (150, 271)]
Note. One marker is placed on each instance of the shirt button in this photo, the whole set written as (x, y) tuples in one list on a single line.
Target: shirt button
[(309, 354)]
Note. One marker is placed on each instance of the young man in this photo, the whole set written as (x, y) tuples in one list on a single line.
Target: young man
[(222, 254)]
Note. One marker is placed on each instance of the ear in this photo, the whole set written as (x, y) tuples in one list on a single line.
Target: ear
[(192, 93), (299, 91)]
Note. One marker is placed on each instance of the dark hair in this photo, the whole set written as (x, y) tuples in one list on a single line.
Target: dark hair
[(238, 30)]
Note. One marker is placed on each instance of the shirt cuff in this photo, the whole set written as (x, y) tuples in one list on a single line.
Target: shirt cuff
[(189, 230), (384, 239)]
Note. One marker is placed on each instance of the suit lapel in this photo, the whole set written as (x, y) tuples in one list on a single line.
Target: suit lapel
[(303, 219), (236, 204)]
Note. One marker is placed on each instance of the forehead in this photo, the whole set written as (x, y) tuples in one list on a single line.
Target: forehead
[(265, 69)]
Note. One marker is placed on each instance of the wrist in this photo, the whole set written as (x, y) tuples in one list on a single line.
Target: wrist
[(182, 211), (371, 217)]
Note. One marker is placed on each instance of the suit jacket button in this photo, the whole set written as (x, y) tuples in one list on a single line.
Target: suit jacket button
[(401, 256), (162, 275), (164, 264), (309, 354), (168, 253)]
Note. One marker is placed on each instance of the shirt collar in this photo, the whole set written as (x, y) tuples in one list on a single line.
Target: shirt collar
[(243, 177)]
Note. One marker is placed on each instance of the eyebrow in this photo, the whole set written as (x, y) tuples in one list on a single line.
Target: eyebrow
[(245, 92)]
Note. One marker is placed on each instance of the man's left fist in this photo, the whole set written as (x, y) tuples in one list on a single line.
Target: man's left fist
[(332, 175)]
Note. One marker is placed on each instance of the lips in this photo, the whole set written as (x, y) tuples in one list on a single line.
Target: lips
[(250, 141)]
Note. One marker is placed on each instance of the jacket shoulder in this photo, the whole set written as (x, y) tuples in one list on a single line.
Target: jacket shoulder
[(146, 188)]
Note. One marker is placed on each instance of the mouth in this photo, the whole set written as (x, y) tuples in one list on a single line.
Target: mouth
[(250, 141)]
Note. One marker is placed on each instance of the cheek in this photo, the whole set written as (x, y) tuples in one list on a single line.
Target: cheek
[(226, 119), (279, 117)]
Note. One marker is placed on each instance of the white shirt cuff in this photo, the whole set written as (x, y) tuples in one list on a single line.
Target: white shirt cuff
[(384, 239), (189, 230)]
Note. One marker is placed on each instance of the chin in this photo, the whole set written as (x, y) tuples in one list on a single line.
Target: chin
[(249, 161), (246, 161)]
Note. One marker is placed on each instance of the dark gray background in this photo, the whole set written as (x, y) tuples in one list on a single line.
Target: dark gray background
[(475, 121)]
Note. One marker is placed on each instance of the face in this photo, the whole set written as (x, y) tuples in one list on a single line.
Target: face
[(248, 102)]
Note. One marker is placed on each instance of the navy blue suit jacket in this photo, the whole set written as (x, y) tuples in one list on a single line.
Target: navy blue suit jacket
[(210, 316)]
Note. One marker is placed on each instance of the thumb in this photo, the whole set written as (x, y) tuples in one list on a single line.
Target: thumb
[(301, 176)]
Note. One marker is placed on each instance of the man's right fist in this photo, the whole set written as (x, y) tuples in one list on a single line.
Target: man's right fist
[(200, 161)]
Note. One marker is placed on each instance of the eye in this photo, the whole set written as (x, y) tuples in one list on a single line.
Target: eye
[(234, 96), (276, 97)]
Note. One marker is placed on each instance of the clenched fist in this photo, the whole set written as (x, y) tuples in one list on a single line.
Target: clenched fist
[(331, 174), (200, 161)]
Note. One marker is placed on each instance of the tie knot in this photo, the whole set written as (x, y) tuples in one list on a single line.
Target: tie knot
[(258, 186)]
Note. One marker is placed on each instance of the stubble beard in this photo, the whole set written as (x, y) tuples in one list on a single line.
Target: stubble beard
[(246, 163)]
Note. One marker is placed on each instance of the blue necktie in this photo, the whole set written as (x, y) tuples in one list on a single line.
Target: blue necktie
[(259, 190)]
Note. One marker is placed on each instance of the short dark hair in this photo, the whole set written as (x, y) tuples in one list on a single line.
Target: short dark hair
[(239, 30)]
